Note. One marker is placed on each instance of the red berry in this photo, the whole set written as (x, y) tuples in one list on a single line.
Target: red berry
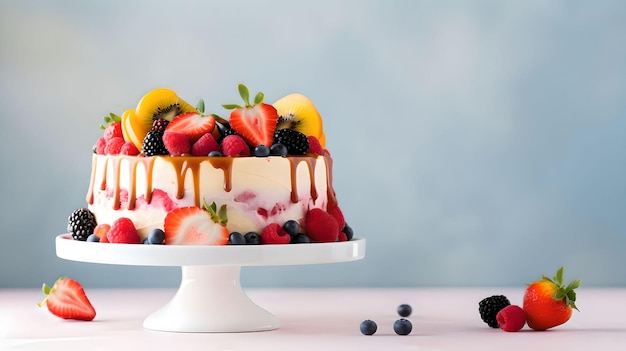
[(275, 234), (234, 145), (205, 145), (129, 149), (321, 226), (342, 237), (101, 231), (113, 130), (123, 232), (314, 146), (114, 146), (176, 143), (335, 211), (101, 144), (511, 318)]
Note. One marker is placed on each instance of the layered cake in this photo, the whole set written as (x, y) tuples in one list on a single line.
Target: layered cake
[(168, 173)]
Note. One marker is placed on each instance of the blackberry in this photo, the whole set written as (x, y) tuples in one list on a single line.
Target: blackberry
[(296, 142), (81, 224), (489, 308), (159, 125), (153, 144)]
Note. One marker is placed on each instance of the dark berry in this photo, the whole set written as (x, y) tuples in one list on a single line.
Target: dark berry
[(261, 151), (252, 238), (236, 238), (404, 310), (81, 224), (153, 144), (292, 227), (297, 143), (300, 239), (489, 308), (156, 236), (215, 154), (278, 150), (93, 238), (402, 326), (224, 130), (159, 125), (348, 231), (368, 327)]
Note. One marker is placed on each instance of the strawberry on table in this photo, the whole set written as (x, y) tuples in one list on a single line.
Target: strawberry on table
[(254, 122), (549, 302), (67, 299), (197, 226)]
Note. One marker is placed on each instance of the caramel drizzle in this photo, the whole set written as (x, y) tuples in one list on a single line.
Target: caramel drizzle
[(184, 164)]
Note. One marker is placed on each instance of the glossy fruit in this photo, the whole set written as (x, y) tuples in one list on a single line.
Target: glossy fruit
[(123, 231), (67, 299), (252, 238), (489, 308), (255, 122), (273, 233), (196, 226), (321, 226), (368, 327), (297, 112), (512, 318), (205, 145), (234, 145), (549, 302), (404, 310), (236, 238), (192, 124), (155, 237), (176, 143), (292, 227), (402, 326), (81, 223)]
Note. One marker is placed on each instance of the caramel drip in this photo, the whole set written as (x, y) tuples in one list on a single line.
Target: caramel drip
[(116, 168), (294, 162), (182, 165), (94, 163), (226, 165)]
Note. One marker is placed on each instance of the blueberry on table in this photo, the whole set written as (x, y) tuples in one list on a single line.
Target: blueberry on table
[(404, 310), (402, 326), (368, 327)]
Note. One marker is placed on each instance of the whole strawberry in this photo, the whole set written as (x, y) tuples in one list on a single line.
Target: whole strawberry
[(549, 302)]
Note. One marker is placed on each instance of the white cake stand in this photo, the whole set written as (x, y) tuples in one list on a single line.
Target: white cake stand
[(210, 297)]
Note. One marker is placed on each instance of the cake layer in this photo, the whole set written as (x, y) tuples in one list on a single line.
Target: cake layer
[(257, 191)]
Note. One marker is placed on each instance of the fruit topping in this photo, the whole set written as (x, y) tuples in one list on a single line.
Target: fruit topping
[(234, 145), (489, 308), (93, 238), (129, 149), (314, 146), (300, 239), (114, 146), (321, 226), (197, 226), (81, 224), (205, 145), (549, 302), (252, 238), (123, 231), (101, 144), (101, 231), (153, 144), (368, 327), (273, 233), (192, 124), (255, 122), (404, 310), (511, 318), (177, 144), (67, 299), (292, 227), (402, 326), (297, 112), (261, 151), (155, 237), (278, 150), (113, 130), (347, 230), (296, 142), (334, 210)]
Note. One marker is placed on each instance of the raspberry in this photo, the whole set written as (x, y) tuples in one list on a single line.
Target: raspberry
[(511, 318), (335, 211), (234, 145), (177, 144), (114, 145), (123, 232), (489, 308), (321, 226), (205, 145), (129, 149), (314, 146), (101, 145), (113, 130), (275, 234)]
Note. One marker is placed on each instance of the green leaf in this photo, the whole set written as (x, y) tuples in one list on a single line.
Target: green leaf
[(108, 119), (45, 288), (200, 106), (115, 117), (222, 214), (259, 98), (558, 278), (574, 284), (231, 106), (245, 93)]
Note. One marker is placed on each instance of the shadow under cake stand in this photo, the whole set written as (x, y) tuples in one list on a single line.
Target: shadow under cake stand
[(210, 297)]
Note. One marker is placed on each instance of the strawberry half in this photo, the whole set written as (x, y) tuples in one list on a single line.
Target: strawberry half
[(196, 226), (192, 124), (255, 122), (67, 299)]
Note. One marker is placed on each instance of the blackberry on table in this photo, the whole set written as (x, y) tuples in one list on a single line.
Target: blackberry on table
[(81, 224), (489, 308), (297, 143), (153, 144)]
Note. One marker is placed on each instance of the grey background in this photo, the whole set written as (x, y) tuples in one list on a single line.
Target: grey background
[(475, 142)]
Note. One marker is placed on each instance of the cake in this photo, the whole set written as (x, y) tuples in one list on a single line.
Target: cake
[(168, 173)]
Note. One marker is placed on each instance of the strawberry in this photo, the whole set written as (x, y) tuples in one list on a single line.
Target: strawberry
[(321, 226), (197, 226), (123, 231), (67, 299), (511, 318), (176, 143), (548, 302), (192, 124), (129, 149), (113, 130), (254, 122), (234, 145), (205, 145), (275, 234)]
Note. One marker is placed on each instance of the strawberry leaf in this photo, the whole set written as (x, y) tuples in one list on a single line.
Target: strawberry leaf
[(222, 214), (231, 106), (200, 106), (259, 98), (245, 93)]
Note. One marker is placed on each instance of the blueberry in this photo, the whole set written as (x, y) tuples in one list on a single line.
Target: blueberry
[(93, 238), (252, 238), (292, 227), (236, 238), (404, 310), (368, 327), (278, 149), (261, 151), (156, 237), (402, 326), (348, 231), (300, 239), (215, 154)]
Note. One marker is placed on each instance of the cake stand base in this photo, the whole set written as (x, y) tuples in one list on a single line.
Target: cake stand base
[(210, 299)]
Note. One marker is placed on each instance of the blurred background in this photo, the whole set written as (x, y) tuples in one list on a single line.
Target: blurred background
[(475, 142)]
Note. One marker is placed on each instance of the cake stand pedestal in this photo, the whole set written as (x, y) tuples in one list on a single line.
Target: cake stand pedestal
[(210, 297)]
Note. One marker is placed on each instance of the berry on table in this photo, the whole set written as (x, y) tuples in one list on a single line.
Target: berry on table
[(402, 326), (368, 327), (81, 224), (511, 318), (489, 308), (404, 310)]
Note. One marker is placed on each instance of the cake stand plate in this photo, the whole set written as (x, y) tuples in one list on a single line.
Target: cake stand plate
[(210, 297)]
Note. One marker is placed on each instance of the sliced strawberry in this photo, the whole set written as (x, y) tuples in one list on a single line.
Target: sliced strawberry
[(194, 226), (254, 122), (67, 299), (192, 124)]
